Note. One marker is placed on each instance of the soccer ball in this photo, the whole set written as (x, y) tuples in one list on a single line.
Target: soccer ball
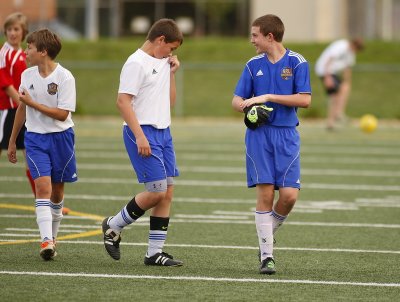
[(368, 123)]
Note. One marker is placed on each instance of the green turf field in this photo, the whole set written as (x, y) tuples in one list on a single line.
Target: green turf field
[(341, 242)]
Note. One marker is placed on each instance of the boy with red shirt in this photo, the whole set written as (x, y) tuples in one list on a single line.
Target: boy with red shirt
[(12, 64)]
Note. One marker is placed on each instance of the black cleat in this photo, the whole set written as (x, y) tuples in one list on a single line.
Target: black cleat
[(268, 266), (162, 259), (112, 239)]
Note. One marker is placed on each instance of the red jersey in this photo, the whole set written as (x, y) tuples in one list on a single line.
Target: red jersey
[(12, 64)]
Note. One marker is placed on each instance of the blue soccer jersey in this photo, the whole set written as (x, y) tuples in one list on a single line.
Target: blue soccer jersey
[(290, 75)]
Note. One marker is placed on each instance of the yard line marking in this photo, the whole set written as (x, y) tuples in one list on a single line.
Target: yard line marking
[(315, 205), (235, 247), (221, 183), (70, 236), (201, 278), (241, 170)]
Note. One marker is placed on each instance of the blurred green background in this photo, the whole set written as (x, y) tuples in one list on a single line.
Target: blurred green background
[(210, 68)]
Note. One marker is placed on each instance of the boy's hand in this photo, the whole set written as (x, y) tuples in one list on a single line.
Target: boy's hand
[(25, 98), (12, 153), (174, 63)]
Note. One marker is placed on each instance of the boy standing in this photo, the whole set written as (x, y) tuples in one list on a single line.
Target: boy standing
[(146, 93), (278, 82), (48, 96), (334, 68), (12, 64)]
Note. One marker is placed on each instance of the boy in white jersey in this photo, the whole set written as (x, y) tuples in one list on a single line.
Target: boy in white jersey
[(334, 67), (47, 95), (280, 79), (146, 93)]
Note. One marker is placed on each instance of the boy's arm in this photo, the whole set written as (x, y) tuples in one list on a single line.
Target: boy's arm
[(125, 108), (55, 113), (302, 100), (19, 121), (12, 93), (174, 63)]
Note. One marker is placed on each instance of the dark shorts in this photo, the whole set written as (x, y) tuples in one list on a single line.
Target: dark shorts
[(332, 90), (6, 124)]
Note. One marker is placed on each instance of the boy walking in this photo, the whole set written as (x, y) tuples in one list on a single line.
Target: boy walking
[(146, 93), (48, 96), (277, 81)]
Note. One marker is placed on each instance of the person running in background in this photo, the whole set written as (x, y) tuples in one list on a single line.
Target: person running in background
[(12, 64), (277, 79), (146, 93), (48, 96), (334, 68)]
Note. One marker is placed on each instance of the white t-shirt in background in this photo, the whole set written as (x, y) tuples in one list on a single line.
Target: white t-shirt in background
[(341, 55)]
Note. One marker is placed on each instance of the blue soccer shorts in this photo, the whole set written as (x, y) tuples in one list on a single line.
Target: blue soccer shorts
[(273, 156), (52, 154), (162, 162)]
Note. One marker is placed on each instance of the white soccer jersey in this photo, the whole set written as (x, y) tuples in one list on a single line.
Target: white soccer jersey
[(148, 80), (56, 90), (341, 55)]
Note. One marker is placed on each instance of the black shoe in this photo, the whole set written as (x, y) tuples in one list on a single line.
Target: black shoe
[(162, 259), (112, 239), (268, 266)]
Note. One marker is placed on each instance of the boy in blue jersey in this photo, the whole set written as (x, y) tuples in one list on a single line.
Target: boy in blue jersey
[(280, 79)]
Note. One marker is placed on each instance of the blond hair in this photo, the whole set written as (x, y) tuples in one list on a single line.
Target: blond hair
[(17, 18)]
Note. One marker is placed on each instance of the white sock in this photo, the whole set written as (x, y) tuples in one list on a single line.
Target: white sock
[(44, 218), (121, 220), (277, 221), (264, 231), (56, 213), (156, 242)]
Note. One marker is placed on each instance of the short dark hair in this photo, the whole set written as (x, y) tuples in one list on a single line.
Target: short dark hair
[(270, 24), (167, 28), (44, 39)]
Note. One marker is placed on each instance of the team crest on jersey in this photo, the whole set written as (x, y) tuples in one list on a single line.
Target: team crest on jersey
[(52, 88), (286, 73)]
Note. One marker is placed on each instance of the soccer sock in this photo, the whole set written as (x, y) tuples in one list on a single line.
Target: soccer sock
[(277, 221), (31, 181), (129, 214), (264, 231), (44, 218), (157, 234), (56, 213)]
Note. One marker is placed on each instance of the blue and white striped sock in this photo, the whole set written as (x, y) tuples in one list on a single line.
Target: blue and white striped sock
[(56, 213), (277, 221), (121, 220)]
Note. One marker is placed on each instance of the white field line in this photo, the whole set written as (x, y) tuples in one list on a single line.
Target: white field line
[(221, 183), (308, 206), (236, 170), (201, 278), (232, 247), (240, 158), (224, 147), (214, 219)]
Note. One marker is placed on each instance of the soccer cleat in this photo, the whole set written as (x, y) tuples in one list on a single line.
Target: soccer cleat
[(112, 239), (162, 259), (47, 250), (268, 266)]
